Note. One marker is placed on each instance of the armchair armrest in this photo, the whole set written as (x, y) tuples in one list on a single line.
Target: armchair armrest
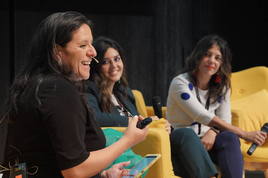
[(150, 111), (250, 113), (157, 141)]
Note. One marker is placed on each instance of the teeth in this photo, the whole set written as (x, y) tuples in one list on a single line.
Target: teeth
[(85, 62)]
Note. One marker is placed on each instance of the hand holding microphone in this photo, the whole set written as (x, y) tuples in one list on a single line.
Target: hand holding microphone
[(253, 147)]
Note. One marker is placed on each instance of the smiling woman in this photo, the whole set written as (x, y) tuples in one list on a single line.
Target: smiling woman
[(51, 127), (112, 67), (77, 54), (109, 76), (198, 107)]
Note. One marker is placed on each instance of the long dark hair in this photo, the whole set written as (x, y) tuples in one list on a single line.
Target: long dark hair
[(56, 29), (216, 89), (101, 45)]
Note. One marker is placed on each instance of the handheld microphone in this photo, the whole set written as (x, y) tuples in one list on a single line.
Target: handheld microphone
[(156, 102), (253, 146), (142, 123)]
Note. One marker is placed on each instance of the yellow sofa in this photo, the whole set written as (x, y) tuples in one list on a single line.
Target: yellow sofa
[(249, 104)]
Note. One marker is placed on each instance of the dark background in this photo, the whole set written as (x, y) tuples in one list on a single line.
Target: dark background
[(157, 35)]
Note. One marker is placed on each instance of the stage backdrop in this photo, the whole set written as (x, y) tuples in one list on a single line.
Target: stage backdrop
[(157, 35)]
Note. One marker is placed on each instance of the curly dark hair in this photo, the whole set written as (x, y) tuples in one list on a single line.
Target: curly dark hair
[(215, 88)]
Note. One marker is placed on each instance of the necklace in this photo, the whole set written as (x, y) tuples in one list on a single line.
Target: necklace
[(120, 107)]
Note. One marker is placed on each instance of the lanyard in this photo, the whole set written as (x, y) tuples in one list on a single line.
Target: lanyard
[(122, 108), (206, 106), (198, 97)]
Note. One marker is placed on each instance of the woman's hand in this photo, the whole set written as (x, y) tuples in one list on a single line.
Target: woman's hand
[(257, 137), (116, 171), (133, 134), (208, 139)]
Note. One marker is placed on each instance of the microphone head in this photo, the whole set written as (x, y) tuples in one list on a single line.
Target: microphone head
[(156, 99), (156, 102), (264, 128)]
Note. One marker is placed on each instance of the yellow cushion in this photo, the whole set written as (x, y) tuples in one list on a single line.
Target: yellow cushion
[(250, 113), (161, 123), (249, 81)]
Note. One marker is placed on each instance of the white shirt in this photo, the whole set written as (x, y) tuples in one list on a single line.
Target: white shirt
[(184, 108)]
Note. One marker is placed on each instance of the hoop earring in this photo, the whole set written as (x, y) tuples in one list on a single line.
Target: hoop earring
[(59, 61)]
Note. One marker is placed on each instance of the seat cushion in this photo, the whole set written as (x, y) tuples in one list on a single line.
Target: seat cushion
[(250, 113)]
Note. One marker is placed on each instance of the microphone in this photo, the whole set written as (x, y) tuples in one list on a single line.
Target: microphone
[(156, 102), (253, 146), (142, 123)]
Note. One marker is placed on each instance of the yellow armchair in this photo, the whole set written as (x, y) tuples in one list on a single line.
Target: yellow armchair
[(249, 101), (156, 142), (144, 110), (249, 81)]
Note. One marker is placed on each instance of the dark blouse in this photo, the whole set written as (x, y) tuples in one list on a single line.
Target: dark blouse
[(54, 128), (113, 118)]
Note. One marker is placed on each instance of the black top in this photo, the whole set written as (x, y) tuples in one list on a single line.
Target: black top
[(112, 119), (54, 128)]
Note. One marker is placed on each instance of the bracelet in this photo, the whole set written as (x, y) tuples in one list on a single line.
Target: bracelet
[(215, 130)]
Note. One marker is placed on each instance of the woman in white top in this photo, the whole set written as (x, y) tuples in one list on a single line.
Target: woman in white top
[(198, 106)]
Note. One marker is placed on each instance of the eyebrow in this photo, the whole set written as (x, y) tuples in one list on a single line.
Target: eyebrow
[(214, 53), (112, 57), (86, 41)]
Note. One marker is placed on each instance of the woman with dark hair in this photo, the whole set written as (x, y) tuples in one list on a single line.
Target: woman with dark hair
[(198, 106), (108, 91), (51, 127), (108, 84)]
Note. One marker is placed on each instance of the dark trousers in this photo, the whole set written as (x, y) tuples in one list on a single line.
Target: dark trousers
[(189, 157), (226, 154), (191, 160)]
